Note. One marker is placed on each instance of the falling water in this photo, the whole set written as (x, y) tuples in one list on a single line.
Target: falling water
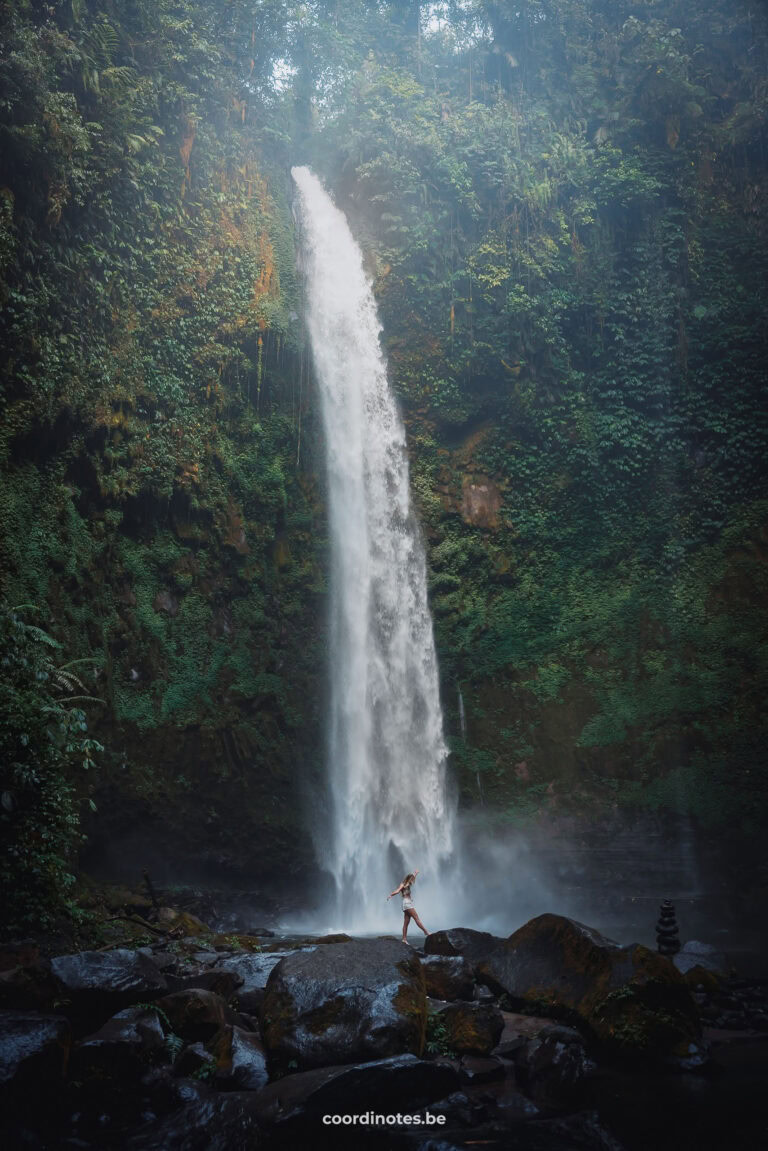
[(390, 812)]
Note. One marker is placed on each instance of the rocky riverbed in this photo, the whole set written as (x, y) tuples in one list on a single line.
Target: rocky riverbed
[(554, 1038)]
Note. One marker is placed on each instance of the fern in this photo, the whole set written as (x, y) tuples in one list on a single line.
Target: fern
[(173, 1043), (119, 77), (40, 635)]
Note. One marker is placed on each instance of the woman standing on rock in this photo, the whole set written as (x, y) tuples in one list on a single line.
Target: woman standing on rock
[(409, 911)]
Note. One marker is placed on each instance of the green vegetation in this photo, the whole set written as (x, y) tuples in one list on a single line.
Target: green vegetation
[(437, 1041), (48, 762), (563, 206), (156, 442)]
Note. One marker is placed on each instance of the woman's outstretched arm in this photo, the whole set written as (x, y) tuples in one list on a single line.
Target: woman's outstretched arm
[(395, 892)]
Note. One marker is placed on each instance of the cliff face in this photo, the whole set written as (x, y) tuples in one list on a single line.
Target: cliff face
[(160, 502), (569, 249), (566, 233)]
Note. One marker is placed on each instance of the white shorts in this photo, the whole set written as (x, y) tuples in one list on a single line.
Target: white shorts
[(407, 905)]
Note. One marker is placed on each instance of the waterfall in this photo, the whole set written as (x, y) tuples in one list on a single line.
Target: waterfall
[(462, 718), (390, 812)]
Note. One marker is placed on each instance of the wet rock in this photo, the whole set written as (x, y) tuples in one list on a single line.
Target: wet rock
[(223, 983), (517, 1027), (181, 922), (196, 1014), (171, 962), (581, 1132), (701, 978), (508, 1048), (344, 1003), (473, 945), (552, 1067), (195, 1062), (34, 1050), (28, 987), (123, 1047), (481, 1069), (204, 1120), (401, 1083), (448, 977), (513, 1106), (103, 982), (482, 994), (459, 1110), (241, 1064), (631, 998), (472, 1028), (253, 971), (696, 954)]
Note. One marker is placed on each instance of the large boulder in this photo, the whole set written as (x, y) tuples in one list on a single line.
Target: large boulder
[(344, 1003), (473, 945), (552, 1067), (252, 971), (581, 1132), (29, 986), (241, 1064), (196, 1015), (631, 998), (181, 922), (472, 1028), (476, 1069), (703, 955), (99, 983), (448, 977), (34, 1050), (202, 1120), (401, 1083), (223, 983), (123, 1047)]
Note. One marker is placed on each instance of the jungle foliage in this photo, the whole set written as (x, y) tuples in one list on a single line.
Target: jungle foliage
[(159, 493), (567, 203), (48, 759), (564, 207)]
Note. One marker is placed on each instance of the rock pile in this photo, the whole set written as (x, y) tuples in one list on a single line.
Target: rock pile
[(207, 1043)]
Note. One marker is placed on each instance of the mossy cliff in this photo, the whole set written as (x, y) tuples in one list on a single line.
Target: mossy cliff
[(568, 240), (160, 502)]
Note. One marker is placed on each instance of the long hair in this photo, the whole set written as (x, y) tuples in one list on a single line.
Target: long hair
[(409, 879)]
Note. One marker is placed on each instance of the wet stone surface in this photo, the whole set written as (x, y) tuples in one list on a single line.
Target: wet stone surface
[(196, 1075)]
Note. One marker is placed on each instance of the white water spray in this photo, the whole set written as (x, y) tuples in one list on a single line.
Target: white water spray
[(390, 811), (462, 717)]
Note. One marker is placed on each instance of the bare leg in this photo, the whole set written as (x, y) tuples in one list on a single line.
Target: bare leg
[(405, 926), (415, 916)]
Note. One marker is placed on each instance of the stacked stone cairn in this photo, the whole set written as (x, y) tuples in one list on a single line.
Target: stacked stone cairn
[(667, 935)]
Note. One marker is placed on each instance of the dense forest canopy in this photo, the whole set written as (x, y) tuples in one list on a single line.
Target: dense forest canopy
[(563, 206)]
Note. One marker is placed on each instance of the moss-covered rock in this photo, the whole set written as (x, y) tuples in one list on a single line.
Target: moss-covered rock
[(472, 1028), (631, 999), (344, 1002)]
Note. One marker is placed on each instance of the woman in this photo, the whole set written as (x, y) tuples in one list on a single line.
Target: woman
[(409, 911)]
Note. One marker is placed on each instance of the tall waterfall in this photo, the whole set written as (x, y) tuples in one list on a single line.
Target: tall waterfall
[(390, 811)]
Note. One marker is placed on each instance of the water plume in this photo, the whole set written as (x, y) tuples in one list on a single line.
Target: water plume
[(391, 810)]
